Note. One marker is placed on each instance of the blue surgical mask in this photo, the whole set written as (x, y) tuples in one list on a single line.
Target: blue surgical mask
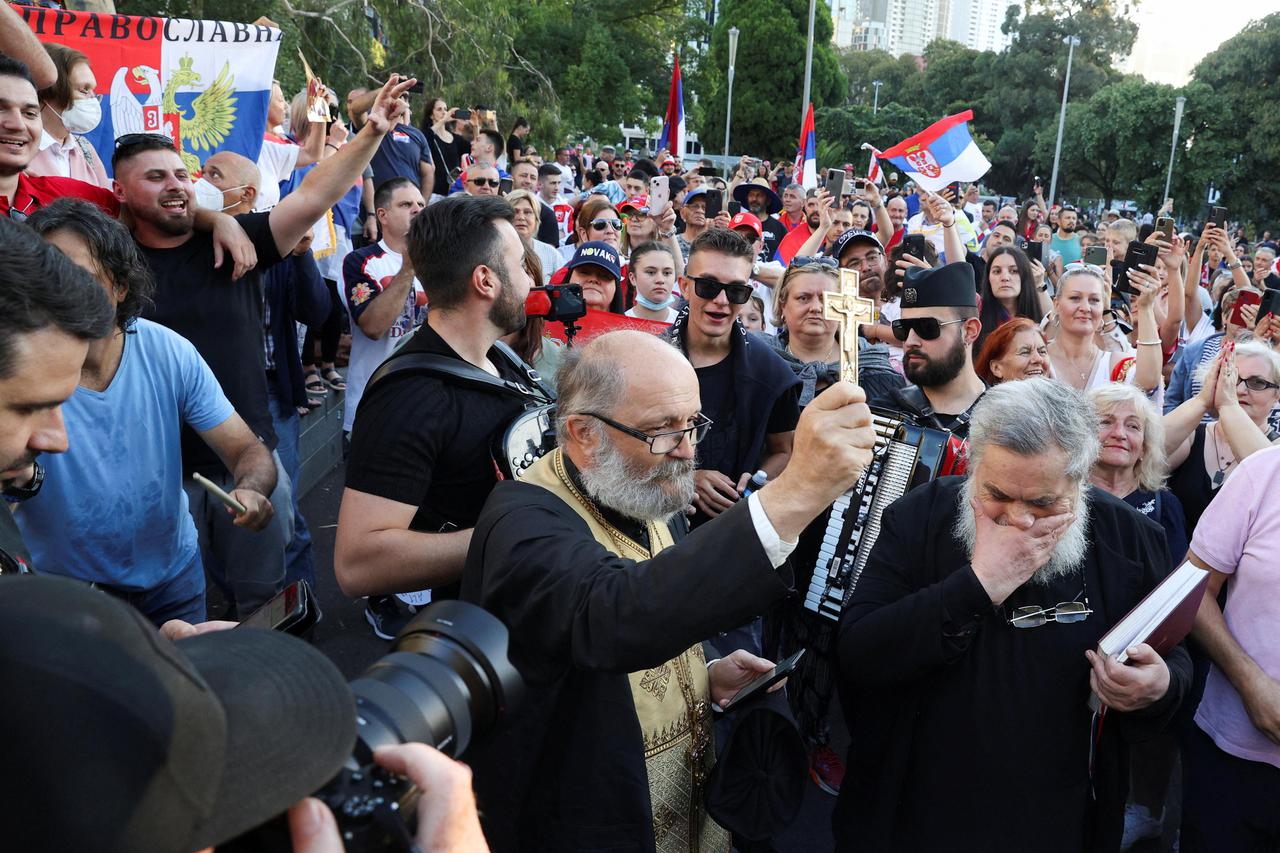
[(655, 306)]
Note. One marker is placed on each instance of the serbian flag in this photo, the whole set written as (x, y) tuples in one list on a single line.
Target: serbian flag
[(940, 154), (807, 154), (873, 168), (672, 137), (204, 84)]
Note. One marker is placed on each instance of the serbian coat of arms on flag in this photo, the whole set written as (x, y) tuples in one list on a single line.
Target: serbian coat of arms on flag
[(204, 84)]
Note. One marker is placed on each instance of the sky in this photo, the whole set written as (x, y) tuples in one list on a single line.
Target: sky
[(1173, 35)]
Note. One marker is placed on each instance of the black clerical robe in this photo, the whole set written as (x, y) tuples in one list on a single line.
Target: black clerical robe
[(970, 734), (567, 771)]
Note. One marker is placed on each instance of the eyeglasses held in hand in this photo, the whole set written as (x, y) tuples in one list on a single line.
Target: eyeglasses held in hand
[(709, 288), (604, 222), (661, 443), (485, 182), (926, 328), (806, 260)]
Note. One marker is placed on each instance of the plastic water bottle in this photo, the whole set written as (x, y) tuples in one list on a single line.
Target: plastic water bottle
[(758, 479)]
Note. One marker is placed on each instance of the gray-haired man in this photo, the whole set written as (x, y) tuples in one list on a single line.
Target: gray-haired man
[(966, 652)]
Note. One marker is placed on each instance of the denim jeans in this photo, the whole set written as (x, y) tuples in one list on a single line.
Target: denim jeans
[(180, 597), (299, 557)]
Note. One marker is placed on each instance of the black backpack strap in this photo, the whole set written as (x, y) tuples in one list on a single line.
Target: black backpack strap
[(454, 370), (535, 379)]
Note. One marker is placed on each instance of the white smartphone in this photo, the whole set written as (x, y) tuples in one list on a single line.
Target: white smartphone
[(659, 193), (213, 489)]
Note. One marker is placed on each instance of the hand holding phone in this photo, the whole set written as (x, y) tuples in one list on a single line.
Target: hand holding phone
[(1219, 217), (292, 610), (835, 183), (1136, 256), (760, 686), (913, 245), (1237, 317), (659, 194), (1096, 255), (715, 203)]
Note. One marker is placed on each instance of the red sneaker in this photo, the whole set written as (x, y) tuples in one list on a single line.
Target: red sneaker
[(827, 769)]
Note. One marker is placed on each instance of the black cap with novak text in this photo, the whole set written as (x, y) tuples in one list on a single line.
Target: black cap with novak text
[(119, 740), (950, 286)]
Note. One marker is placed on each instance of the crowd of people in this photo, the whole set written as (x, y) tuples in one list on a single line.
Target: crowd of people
[(163, 334)]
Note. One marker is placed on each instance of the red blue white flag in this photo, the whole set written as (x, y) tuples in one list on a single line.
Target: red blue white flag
[(940, 154), (807, 154), (673, 135), (204, 84)]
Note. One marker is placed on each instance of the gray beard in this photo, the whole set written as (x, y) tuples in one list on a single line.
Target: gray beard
[(1067, 555), (653, 495)]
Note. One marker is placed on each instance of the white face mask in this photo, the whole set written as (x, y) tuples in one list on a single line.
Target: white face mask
[(210, 197), (82, 116)]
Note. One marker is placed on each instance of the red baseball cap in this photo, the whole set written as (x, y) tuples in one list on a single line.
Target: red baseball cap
[(640, 203), (746, 219)]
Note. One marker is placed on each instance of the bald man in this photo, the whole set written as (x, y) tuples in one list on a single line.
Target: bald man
[(236, 177), (586, 561)]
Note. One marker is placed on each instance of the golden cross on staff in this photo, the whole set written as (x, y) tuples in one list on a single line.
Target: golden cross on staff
[(847, 306)]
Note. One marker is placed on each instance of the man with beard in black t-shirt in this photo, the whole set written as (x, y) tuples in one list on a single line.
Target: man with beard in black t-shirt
[(224, 319), (421, 464), (937, 329)]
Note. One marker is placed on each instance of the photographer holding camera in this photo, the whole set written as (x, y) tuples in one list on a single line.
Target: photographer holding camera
[(121, 740)]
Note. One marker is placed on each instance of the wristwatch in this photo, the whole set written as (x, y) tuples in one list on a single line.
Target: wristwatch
[(667, 235), (17, 494), (1237, 265)]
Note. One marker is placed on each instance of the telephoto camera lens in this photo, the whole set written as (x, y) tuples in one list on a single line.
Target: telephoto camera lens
[(447, 680)]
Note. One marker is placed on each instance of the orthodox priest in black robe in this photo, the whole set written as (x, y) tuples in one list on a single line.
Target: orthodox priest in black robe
[(587, 562), (967, 653)]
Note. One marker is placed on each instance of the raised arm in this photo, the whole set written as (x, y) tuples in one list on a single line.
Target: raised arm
[(331, 179), (1172, 258), (826, 206), (1149, 358), (884, 225), (19, 42)]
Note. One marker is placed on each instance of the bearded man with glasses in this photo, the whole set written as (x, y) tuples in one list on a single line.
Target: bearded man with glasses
[(608, 602), (746, 387), (967, 652)]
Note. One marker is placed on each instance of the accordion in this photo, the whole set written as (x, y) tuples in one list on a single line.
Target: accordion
[(905, 456)]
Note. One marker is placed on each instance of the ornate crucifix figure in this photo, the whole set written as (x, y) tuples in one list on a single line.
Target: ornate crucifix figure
[(846, 306)]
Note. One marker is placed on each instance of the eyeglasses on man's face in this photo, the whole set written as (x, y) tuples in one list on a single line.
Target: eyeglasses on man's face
[(661, 443)]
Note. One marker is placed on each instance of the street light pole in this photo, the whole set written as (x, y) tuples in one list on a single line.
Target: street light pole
[(875, 104), (1173, 149), (728, 109), (808, 64), (1071, 42)]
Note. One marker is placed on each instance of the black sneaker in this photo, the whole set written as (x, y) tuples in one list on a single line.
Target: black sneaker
[(386, 615)]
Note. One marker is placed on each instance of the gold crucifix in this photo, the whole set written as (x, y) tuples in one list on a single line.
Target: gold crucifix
[(847, 306)]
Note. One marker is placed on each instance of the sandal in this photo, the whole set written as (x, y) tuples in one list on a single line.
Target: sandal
[(302, 411), (314, 384), (334, 379)]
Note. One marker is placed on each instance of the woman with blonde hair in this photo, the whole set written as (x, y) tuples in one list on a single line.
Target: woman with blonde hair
[(809, 343), (1132, 464), (528, 209)]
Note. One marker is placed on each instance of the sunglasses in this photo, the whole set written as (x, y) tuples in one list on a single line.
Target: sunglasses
[(926, 328), (636, 212), (485, 182), (805, 260), (603, 223), (710, 288), (136, 138)]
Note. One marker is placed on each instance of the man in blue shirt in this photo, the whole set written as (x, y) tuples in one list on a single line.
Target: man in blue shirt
[(404, 153), (113, 510)]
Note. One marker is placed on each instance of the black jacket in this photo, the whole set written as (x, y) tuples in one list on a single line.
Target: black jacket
[(567, 771), (909, 636)]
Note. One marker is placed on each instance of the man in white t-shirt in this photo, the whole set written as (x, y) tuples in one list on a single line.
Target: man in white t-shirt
[(384, 299)]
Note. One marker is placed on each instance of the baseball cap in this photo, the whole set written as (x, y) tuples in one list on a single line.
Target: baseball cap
[(848, 238), (126, 741), (670, 161), (639, 203), (747, 219), (694, 193), (600, 254)]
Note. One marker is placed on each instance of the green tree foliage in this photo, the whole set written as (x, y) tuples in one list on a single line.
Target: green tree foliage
[(1233, 122), (574, 67), (769, 77)]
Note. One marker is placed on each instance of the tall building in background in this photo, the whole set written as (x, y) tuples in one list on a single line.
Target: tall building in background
[(976, 24), (908, 26)]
